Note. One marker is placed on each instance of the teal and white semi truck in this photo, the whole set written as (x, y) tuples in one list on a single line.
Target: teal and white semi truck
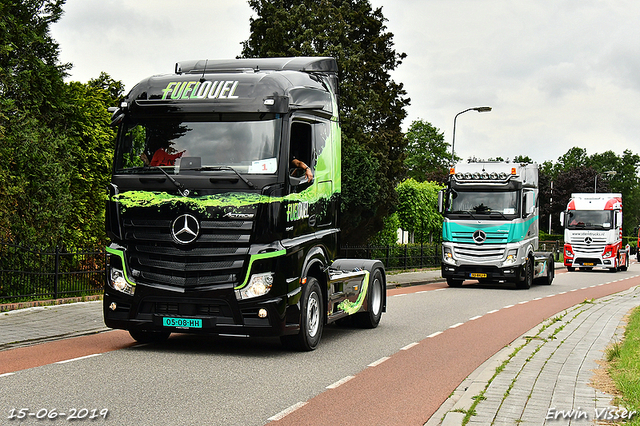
[(490, 228)]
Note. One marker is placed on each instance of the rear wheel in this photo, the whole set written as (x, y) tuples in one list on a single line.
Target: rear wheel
[(626, 263), (311, 319), (550, 271), (371, 318), (142, 336)]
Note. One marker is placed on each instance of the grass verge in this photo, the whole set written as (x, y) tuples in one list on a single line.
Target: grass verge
[(625, 366)]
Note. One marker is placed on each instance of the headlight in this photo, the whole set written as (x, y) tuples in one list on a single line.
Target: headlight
[(259, 285), (512, 256), (117, 281), (447, 255)]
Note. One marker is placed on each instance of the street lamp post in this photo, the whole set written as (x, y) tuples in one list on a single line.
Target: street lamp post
[(453, 141), (595, 180)]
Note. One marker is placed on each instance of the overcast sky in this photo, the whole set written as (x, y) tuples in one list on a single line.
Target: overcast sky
[(557, 73)]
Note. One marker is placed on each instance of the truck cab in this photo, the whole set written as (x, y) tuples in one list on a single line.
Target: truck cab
[(593, 232), (223, 205), (490, 228)]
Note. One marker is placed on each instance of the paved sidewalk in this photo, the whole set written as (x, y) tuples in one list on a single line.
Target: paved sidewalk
[(547, 372), (44, 323)]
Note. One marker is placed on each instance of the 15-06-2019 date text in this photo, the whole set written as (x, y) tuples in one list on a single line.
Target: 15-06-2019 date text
[(54, 414)]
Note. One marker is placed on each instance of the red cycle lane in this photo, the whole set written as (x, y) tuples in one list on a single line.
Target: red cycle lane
[(411, 385)]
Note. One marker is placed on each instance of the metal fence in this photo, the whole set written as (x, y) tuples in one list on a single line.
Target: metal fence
[(28, 273), (405, 256)]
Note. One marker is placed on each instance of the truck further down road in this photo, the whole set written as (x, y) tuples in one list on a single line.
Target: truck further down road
[(490, 229), (593, 232), (223, 206)]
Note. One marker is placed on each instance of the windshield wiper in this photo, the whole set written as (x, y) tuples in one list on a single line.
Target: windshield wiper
[(181, 188), (218, 168), (497, 212)]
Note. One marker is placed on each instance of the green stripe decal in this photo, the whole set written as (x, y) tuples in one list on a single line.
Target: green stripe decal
[(255, 257), (120, 254), (350, 307)]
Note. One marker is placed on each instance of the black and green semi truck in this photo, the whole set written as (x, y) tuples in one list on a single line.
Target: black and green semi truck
[(223, 206)]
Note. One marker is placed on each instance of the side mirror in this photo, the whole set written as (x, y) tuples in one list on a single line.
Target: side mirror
[(529, 204), (441, 201), (562, 218)]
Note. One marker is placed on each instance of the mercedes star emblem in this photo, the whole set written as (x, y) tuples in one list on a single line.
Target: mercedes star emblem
[(185, 229), (479, 236), (588, 240)]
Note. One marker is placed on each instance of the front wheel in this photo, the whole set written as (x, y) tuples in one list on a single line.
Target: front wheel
[(626, 263), (311, 319), (454, 283), (528, 275), (371, 318)]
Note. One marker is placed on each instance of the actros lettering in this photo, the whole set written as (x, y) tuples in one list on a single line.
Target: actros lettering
[(200, 90)]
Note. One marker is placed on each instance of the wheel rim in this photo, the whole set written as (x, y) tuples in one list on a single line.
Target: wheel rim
[(376, 297), (313, 314)]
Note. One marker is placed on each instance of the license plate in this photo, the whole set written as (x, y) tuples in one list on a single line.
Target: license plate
[(182, 322), (588, 264), (477, 275)]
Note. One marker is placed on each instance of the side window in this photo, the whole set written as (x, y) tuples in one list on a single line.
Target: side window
[(301, 143)]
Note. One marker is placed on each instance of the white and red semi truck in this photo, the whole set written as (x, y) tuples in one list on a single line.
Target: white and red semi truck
[(593, 232)]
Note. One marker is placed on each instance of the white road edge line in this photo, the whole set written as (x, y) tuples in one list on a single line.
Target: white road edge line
[(475, 318), (282, 414), (7, 374), (437, 333), (77, 359), (493, 312), (340, 382), (409, 346), (456, 325), (378, 362), (508, 306)]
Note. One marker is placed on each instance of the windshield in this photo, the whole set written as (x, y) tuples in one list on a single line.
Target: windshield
[(589, 219), (502, 203), (248, 145)]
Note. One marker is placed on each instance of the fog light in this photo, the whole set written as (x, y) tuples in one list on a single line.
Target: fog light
[(262, 313), (113, 306)]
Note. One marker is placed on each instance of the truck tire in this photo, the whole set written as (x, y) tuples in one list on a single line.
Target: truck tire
[(311, 319), (142, 336), (551, 272), (454, 283), (626, 263), (371, 318), (528, 275)]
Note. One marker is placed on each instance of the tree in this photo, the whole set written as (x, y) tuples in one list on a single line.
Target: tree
[(56, 140), (372, 105), (428, 154), (417, 208)]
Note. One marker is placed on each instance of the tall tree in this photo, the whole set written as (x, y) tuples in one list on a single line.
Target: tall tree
[(372, 105), (428, 154)]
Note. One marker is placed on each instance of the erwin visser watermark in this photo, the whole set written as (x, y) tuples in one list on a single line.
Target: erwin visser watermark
[(609, 413)]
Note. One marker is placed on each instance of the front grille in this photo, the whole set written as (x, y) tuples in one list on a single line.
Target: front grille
[(596, 247), (217, 256), (493, 237), (480, 252), (217, 308)]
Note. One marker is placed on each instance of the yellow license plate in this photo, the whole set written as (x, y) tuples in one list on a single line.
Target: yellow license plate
[(589, 264), (477, 275)]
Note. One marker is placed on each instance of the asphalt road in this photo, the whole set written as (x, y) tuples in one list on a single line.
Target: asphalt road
[(430, 339)]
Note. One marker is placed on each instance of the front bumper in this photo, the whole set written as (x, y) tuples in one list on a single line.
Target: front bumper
[(515, 273), (214, 312)]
